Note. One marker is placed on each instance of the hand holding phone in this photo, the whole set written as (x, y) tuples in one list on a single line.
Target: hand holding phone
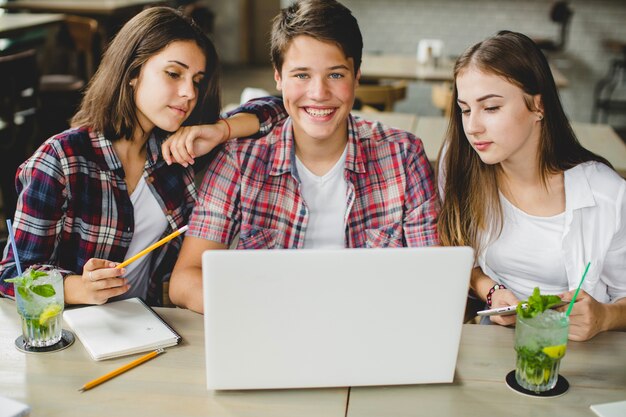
[(508, 310)]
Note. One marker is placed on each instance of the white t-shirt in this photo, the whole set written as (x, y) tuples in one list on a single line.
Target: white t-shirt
[(150, 224), (528, 253), (325, 197)]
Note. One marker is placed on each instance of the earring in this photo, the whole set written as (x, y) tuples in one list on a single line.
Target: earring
[(540, 116)]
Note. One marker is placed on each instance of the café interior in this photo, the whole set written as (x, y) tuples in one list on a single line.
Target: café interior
[(50, 48)]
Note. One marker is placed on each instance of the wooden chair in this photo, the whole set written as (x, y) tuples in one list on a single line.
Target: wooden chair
[(441, 97), (561, 14), (381, 96), (19, 109)]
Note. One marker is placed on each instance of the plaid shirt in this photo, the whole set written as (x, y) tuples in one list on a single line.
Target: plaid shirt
[(73, 205), (252, 187)]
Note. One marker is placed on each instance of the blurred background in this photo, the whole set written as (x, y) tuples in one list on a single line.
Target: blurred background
[(50, 48)]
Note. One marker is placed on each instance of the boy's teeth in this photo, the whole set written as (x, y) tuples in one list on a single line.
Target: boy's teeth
[(319, 112)]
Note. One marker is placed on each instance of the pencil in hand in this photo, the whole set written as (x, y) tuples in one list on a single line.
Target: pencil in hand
[(153, 246), (113, 374)]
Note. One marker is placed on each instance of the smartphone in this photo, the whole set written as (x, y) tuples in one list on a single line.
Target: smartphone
[(508, 310)]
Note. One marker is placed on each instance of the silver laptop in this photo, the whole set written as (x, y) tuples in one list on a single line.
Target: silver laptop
[(330, 318)]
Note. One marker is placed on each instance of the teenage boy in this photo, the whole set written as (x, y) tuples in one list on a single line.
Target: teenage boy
[(321, 178)]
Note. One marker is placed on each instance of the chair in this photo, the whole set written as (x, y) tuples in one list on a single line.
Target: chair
[(381, 96), (606, 101), (561, 14), (441, 97), (61, 92), (19, 110)]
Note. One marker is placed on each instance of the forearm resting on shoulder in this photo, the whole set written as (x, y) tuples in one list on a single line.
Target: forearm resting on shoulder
[(243, 125)]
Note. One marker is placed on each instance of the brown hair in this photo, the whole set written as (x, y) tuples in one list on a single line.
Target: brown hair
[(323, 20), (471, 205), (109, 106)]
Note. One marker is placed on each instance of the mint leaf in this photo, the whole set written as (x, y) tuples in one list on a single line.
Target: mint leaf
[(537, 304), (37, 274), (45, 290), (24, 293), (15, 279)]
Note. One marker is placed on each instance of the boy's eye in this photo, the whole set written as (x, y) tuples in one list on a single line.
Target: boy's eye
[(301, 76), (336, 75)]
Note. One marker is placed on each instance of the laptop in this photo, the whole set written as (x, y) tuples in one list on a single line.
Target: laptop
[(333, 318)]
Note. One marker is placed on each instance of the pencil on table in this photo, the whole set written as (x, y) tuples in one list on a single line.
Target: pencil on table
[(113, 374), (153, 246)]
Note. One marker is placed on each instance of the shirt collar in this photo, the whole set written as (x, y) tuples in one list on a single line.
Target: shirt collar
[(578, 192), (106, 157), (284, 159)]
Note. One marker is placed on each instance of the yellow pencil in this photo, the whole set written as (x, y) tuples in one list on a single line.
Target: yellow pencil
[(153, 246), (113, 374)]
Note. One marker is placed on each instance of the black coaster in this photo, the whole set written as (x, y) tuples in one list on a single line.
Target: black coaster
[(67, 339), (559, 389)]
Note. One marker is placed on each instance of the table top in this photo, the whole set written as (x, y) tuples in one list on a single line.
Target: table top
[(87, 7), (174, 382), (596, 371), (598, 138), (406, 67), (14, 24)]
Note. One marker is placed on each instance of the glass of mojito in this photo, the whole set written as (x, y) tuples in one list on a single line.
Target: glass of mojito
[(540, 342), (40, 301)]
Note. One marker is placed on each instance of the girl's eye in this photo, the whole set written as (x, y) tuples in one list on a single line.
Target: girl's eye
[(465, 111), (173, 75), (492, 109)]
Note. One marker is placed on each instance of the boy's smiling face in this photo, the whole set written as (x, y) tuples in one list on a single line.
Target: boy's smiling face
[(318, 85)]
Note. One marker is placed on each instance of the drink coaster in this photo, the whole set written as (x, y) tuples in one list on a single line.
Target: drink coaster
[(67, 339), (559, 389)]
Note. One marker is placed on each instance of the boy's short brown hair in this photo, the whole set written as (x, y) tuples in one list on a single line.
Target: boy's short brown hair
[(323, 20)]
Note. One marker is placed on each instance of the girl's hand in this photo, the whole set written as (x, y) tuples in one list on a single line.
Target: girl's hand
[(587, 316), (190, 142), (503, 298), (99, 282)]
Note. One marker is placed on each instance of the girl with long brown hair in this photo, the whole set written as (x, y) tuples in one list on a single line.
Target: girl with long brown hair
[(100, 192), (518, 187)]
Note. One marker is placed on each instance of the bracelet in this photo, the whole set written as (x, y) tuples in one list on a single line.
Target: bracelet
[(492, 290), (228, 126)]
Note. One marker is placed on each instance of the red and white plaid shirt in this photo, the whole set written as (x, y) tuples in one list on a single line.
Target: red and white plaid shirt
[(252, 187)]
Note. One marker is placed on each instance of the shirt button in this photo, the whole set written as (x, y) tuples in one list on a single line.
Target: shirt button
[(168, 212), (150, 180)]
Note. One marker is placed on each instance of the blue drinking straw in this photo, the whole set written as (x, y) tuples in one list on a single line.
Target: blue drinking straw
[(15, 256)]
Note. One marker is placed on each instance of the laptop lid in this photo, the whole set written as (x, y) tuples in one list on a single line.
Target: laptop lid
[(327, 318)]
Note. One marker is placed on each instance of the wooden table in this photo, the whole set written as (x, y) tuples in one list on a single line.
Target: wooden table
[(596, 371), (172, 384), (405, 67), (12, 25), (598, 138)]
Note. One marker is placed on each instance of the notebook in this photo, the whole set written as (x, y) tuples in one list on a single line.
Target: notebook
[(329, 318), (12, 408), (120, 328)]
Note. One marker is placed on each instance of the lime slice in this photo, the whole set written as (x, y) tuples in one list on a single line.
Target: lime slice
[(555, 352), (49, 312)]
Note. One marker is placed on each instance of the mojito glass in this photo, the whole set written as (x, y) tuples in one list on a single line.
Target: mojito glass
[(540, 343), (40, 301)]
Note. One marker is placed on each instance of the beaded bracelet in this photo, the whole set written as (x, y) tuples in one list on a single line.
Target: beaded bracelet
[(492, 290)]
